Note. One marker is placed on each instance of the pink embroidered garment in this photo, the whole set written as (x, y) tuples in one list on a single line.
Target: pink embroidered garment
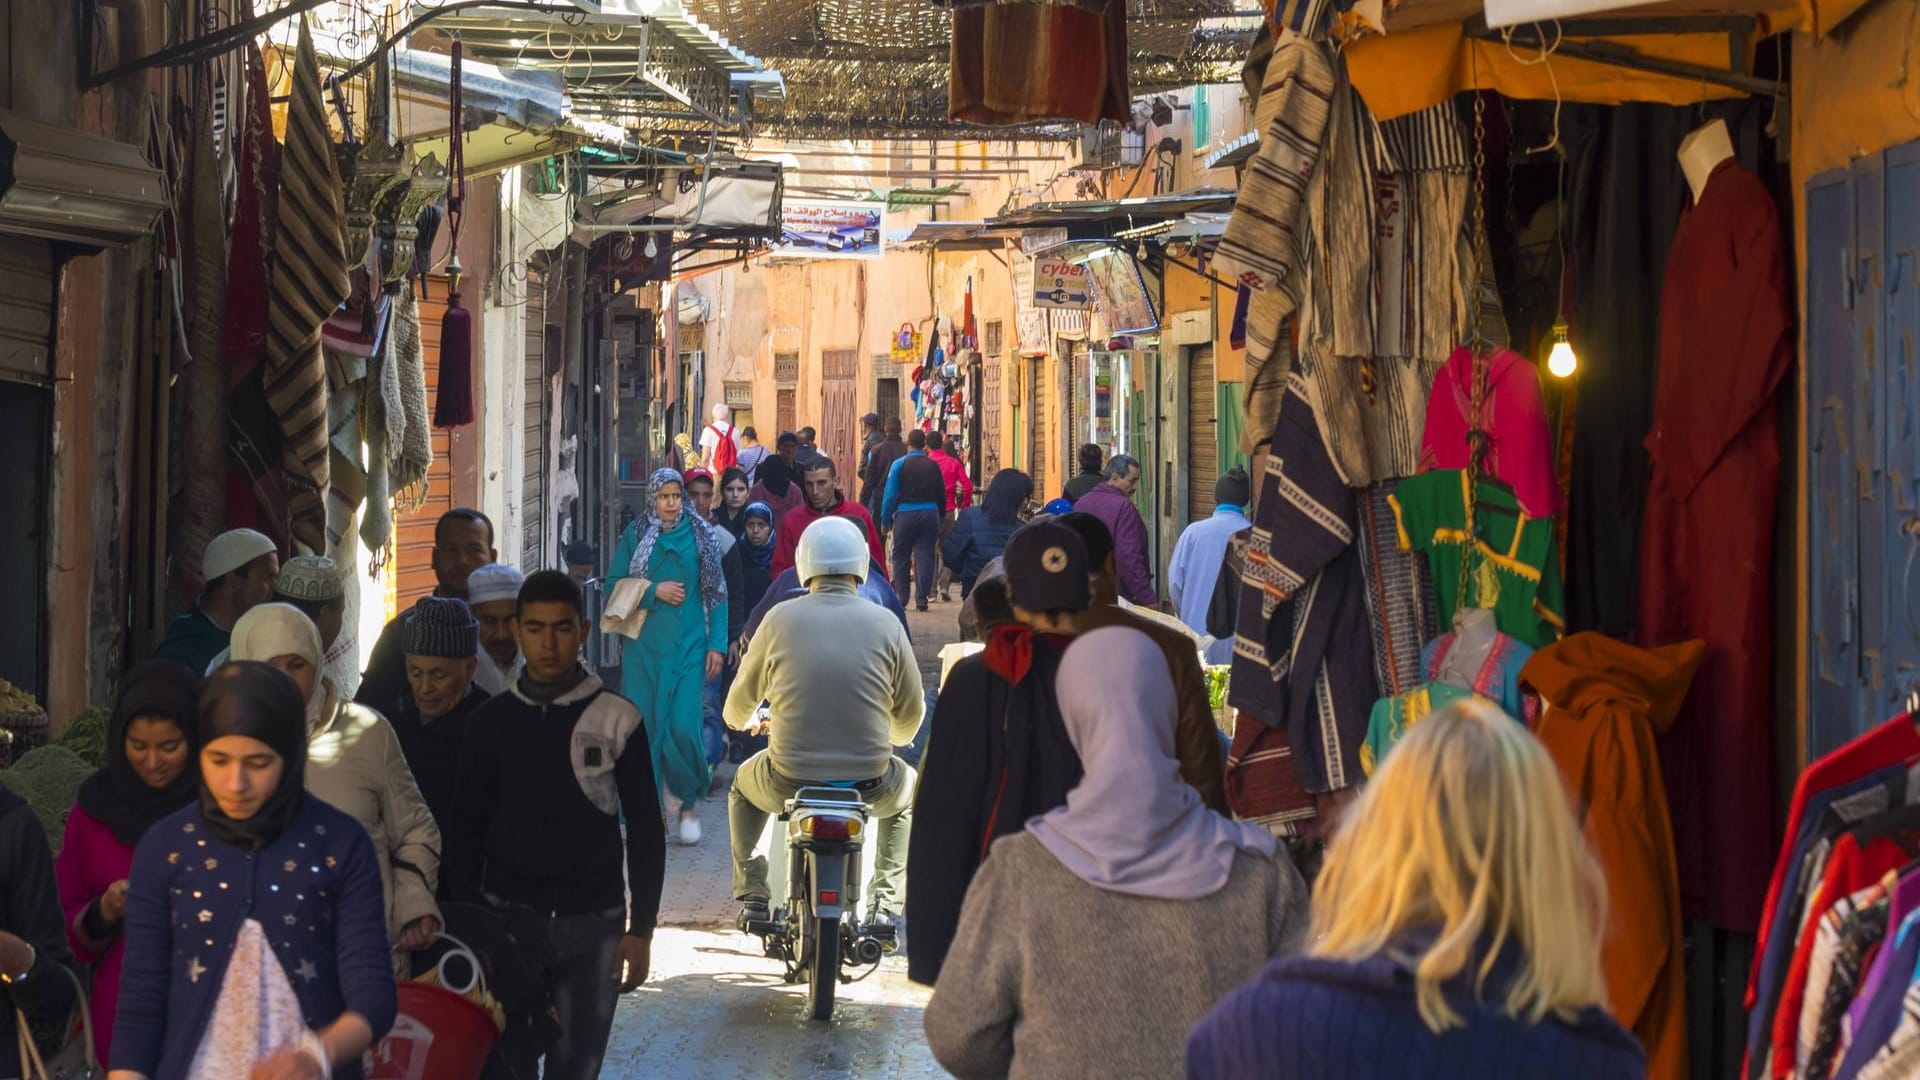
[(1512, 413)]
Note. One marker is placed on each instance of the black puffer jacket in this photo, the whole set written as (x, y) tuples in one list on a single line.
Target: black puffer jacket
[(975, 541), (30, 910)]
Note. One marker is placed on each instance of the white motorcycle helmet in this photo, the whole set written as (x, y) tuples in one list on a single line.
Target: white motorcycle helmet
[(830, 546)]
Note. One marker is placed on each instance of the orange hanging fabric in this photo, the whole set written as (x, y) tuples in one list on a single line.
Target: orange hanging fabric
[(453, 407)]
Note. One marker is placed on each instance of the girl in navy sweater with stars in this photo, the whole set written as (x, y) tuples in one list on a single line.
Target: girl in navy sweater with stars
[(255, 926)]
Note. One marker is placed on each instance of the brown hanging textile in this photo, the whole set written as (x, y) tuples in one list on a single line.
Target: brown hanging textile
[(454, 406), (309, 282)]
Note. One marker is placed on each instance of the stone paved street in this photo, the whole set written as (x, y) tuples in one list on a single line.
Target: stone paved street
[(715, 1006)]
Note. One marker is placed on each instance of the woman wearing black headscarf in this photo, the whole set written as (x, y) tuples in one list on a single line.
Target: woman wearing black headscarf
[(150, 773), (778, 488), (731, 511), (206, 990)]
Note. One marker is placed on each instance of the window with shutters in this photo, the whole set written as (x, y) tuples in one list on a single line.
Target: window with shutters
[(991, 342), (1203, 443), (990, 413)]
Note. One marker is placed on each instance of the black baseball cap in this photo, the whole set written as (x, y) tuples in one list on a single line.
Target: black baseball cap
[(1047, 569)]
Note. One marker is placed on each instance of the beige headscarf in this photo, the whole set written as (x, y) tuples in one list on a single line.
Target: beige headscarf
[(271, 630)]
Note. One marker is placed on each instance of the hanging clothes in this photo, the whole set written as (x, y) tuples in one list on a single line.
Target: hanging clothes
[(1880, 1009), (1027, 60), (1860, 779), (1707, 538), (1392, 716), (1517, 563), (1303, 658), (1399, 593), (1260, 248), (1604, 702), (1497, 678), (308, 282), (1876, 1010), (1842, 944), (1511, 415), (1383, 266)]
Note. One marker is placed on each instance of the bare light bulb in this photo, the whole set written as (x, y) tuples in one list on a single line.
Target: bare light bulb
[(1562, 362), (653, 247)]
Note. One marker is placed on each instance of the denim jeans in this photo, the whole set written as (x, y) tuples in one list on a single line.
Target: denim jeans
[(583, 991), (713, 701), (915, 535)]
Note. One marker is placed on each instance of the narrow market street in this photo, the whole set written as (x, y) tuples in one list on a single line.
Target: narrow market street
[(715, 1006)]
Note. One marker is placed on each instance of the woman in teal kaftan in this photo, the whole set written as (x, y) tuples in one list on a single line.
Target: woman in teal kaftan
[(682, 643)]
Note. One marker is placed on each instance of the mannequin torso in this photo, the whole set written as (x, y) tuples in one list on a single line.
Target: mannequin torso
[(1702, 151), (1475, 633)]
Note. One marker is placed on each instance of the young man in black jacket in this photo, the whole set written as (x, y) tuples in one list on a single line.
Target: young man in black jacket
[(544, 772)]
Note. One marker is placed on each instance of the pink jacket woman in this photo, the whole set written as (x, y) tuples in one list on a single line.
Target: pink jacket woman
[(151, 771)]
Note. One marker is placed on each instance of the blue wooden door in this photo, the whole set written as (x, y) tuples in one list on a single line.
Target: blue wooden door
[(1866, 380), (1832, 551), (1900, 365)]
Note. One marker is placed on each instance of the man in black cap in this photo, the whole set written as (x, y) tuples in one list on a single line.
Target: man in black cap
[(462, 543), (441, 644), (983, 781)]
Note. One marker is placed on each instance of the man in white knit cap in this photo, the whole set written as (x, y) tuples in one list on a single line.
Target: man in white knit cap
[(238, 567), (493, 594)]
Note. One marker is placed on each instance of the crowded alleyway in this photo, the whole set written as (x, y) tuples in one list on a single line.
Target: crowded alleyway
[(715, 1006)]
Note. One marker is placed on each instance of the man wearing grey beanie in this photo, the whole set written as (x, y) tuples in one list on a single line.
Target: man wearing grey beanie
[(440, 642)]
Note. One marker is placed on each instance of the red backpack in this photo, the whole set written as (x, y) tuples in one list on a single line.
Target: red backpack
[(726, 452)]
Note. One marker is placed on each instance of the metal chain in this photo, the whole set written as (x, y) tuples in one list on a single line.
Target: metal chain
[(1476, 388)]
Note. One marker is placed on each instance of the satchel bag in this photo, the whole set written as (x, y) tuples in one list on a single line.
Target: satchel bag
[(77, 1059)]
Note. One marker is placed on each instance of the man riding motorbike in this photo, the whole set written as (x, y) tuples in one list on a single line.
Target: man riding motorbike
[(843, 689)]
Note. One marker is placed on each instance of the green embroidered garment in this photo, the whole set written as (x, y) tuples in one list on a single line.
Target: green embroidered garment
[(1517, 562), (1392, 716)]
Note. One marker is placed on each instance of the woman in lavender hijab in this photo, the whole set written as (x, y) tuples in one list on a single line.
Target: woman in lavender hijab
[(1141, 906)]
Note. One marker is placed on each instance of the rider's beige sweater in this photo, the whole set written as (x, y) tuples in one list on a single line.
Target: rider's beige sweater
[(842, 681), (1052, 977)]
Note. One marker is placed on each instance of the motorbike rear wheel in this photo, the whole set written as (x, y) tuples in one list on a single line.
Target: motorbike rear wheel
[(824, 970)]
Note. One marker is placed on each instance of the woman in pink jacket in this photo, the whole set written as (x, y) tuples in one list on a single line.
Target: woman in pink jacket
[(150, 773)]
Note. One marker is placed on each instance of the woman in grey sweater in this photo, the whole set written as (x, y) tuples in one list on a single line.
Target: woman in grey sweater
[(1093, 941)]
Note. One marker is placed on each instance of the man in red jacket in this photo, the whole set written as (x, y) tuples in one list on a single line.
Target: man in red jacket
[(819, 482), (959, 496)]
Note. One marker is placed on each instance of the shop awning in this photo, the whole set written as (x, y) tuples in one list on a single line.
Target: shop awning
[(1123, 213), (1674, 53), (953, 236)]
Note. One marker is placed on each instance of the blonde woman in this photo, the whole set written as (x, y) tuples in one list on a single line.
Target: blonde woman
[(1456, 931)]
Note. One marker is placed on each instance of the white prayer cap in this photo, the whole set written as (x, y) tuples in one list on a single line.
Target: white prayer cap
[(232, 550), (494, 581)]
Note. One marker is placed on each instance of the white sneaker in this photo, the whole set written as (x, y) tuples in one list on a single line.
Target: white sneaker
[(689, 830)]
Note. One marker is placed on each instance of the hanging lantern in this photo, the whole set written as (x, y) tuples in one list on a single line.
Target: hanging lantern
[(399, 225), (372, 168)]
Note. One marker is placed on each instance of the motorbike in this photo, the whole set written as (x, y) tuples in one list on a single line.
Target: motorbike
[(817, 933)]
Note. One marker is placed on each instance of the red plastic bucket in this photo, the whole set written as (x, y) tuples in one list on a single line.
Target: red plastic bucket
[(438, 1035)]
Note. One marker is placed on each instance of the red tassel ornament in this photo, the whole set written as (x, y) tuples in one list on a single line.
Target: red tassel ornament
[(453, 405)]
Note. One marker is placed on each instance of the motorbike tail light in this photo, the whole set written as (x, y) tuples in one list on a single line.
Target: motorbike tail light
[(825, 827), (829, 897)]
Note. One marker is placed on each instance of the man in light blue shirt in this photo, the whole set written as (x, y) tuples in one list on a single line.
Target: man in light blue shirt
[(1202, 550)]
